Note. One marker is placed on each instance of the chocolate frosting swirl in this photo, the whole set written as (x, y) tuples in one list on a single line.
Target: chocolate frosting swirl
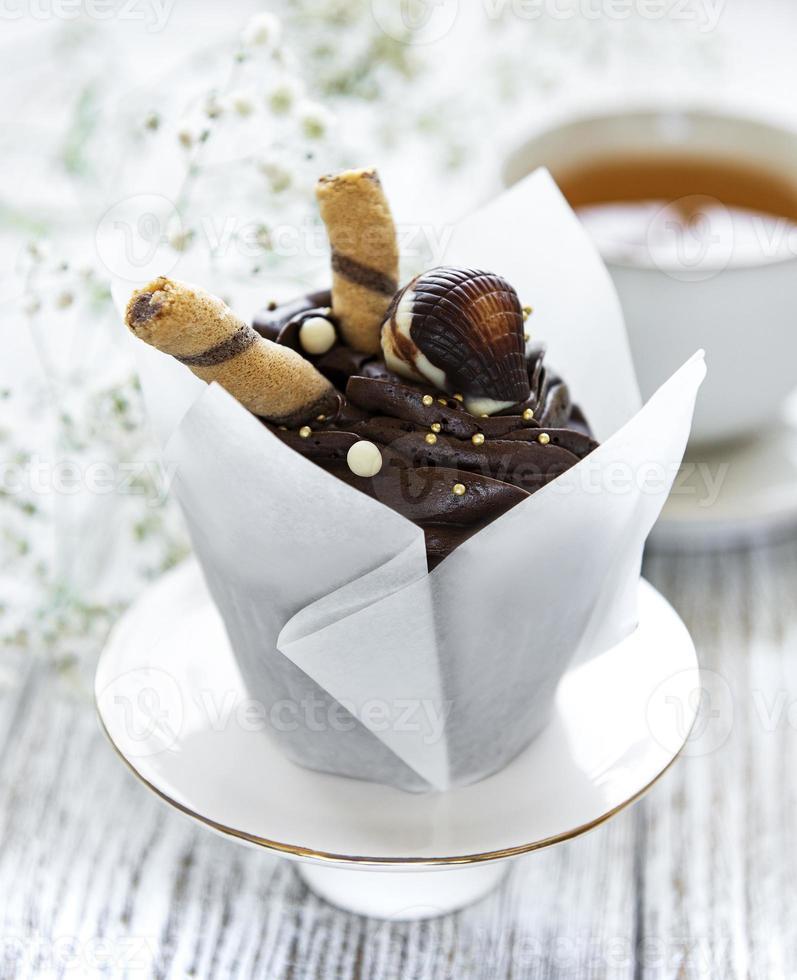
[(429, 442)]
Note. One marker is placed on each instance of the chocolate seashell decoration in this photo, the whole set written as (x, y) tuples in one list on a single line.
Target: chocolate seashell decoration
[(461, 330)]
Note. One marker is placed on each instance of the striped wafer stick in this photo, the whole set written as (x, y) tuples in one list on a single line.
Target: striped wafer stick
[(365, 264), (202, 332)]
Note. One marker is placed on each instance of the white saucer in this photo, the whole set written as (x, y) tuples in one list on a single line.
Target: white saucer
[(173, 705), (734, 494)]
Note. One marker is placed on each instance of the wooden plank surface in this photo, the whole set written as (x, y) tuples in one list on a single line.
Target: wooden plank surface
[(99, 878)]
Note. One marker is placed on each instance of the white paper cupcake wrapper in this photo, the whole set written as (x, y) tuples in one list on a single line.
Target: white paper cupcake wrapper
[(368, 666)]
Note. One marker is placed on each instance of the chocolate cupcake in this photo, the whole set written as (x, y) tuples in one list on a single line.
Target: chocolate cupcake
[(368, 432)]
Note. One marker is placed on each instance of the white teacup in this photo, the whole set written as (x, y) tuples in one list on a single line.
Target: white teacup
[(728, 283)]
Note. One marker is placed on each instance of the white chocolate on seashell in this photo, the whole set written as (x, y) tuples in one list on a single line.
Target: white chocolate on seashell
[(317, 335), (364, 458), (485, 406), (422, 368)]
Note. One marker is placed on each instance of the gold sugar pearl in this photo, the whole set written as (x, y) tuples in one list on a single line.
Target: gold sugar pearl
[(459, 398), (484, 415), (543, 438), (442, 401), (431, 438), (320, 418), (527, 311), (305, 431), (528, 415), (435, 426), (427, 400), (458, 489), (477, 439)]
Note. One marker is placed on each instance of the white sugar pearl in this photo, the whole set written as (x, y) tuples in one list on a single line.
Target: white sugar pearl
[(364, 459), (317, 335)]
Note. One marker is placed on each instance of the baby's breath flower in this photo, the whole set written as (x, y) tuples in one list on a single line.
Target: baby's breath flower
[(278, 176), (283, 96), (152, 121), (314, 119), (263, 30), (243, 102), (64, 300), (180, 239), (213, 107), (38, 251), (186, 135), (31, 306), (263, 237)]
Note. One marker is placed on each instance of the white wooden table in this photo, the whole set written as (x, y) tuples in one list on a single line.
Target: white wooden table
[(98, 877)]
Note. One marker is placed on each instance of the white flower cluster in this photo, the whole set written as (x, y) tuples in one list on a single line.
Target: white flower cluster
[(267, 82), (251, 149)]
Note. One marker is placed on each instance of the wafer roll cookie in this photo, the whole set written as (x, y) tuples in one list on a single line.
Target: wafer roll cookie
[(203, 333), (365, 265)]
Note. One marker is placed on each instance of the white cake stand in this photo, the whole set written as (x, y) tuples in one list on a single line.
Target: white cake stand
[(175, 709)]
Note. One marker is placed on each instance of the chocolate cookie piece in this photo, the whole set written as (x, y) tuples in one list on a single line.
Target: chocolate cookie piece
[(340, 363), (272, 319)]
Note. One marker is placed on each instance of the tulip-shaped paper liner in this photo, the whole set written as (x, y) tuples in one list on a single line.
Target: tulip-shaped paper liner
[(368, 666)]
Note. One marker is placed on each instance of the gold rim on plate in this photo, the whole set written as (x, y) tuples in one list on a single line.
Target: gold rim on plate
[(308, 853)]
